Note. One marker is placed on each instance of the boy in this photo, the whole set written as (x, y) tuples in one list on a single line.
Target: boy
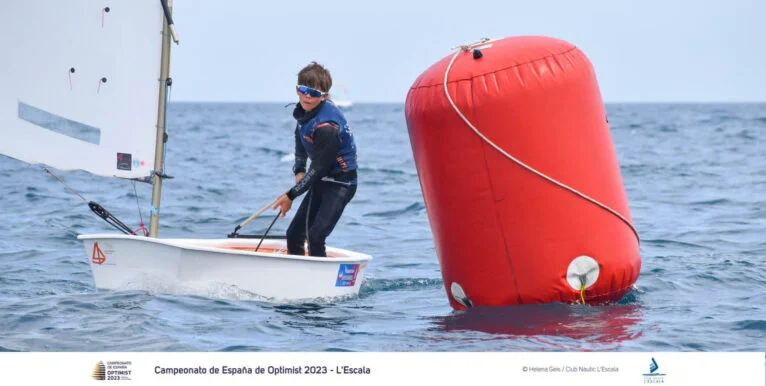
[(322, 135)]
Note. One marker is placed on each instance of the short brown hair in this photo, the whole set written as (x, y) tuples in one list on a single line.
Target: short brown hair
[(314, 75)]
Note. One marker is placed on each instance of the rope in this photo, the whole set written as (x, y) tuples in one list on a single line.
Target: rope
[(582, 293), (141, 226), (467, 47), (103, 213), (65, 185), (308, 214), (168, 88), (138, 205)]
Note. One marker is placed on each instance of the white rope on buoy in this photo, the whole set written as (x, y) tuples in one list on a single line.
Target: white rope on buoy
[(468, 47)]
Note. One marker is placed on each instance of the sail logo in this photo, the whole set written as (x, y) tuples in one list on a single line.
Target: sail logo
[(98, 256), (347, 275), (653, 376), (124, 161)]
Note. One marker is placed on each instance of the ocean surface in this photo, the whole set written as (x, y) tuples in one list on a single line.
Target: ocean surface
[(695, 177)]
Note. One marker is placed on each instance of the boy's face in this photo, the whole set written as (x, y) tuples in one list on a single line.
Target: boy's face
[(308, 102)]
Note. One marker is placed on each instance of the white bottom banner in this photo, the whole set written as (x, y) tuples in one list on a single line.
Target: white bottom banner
[(383, 368)]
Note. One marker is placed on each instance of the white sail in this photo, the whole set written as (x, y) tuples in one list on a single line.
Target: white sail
[(79, 83)]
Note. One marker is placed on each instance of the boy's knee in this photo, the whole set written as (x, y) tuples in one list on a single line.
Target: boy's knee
[(318, 235), (294, 234)]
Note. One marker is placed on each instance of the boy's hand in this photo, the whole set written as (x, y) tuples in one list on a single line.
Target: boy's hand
[(299, 177), (284, 204)]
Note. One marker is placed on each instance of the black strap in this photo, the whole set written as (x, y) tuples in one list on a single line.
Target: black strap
[(109, 218)]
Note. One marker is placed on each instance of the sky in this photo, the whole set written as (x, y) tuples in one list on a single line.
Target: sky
[(642, 51)]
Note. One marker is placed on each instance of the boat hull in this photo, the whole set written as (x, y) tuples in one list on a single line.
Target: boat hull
[(127, 262)]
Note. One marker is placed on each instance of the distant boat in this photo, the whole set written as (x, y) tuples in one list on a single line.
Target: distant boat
[(342, 103)]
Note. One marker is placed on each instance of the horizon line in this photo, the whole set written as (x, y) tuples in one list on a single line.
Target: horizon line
[(711, 102)]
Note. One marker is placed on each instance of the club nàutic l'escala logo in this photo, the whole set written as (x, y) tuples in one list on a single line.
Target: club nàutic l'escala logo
[(654, 376), (112, 371)]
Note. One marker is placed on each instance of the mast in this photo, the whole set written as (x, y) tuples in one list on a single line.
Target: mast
[(159, 153)]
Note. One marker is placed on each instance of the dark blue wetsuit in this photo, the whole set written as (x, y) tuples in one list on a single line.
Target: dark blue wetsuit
[(323, 136)]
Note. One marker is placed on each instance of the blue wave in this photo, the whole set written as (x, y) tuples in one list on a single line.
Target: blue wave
[(757, 325), (372, 286), (412, 208)]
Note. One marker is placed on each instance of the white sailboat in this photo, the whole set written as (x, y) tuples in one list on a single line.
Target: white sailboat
[(345, 103), (84, 87)]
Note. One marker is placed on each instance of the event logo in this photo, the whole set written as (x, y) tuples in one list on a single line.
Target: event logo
[(654, 376), (99, 372), (113, 371)]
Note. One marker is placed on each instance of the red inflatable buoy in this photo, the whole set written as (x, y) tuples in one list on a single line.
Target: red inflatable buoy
[(520, 177)]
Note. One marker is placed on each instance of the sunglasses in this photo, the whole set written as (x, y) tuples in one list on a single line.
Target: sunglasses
[(305, 90)]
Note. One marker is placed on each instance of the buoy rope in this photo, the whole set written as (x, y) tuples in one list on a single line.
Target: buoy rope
[(466, 48), (582, 293)]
